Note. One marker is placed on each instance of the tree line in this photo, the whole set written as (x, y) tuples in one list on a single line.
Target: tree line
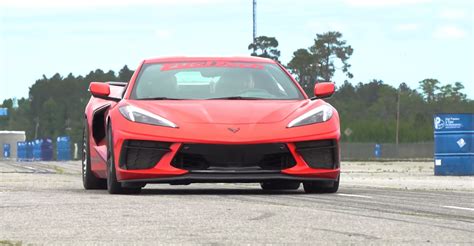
[(368, 110), (55, 105)]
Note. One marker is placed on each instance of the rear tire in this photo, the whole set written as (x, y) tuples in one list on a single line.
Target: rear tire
[(321, 186), (89, 180), (280, 185), (113, 186)]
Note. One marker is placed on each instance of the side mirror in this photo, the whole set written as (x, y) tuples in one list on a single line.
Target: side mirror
[(100, 90), (324, 89)]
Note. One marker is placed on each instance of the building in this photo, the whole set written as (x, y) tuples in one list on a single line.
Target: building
[(11, 138)]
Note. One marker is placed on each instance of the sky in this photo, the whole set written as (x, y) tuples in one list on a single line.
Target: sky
[(393, 40)]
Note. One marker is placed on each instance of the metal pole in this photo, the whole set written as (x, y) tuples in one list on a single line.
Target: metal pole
[(254, 20), (36, 128), (398, 117)]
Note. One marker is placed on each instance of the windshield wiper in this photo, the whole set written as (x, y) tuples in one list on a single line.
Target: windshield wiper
[(159, 98), (236, 98)]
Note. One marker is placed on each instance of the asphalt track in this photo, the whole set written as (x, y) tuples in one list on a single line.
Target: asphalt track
[(46, 204)]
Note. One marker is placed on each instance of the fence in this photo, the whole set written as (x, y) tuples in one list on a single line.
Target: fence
[(366, 151)]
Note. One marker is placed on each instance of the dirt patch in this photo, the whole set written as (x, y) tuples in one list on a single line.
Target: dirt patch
[(401, 175)]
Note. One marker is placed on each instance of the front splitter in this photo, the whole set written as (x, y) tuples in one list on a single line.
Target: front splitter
[(226, 178)]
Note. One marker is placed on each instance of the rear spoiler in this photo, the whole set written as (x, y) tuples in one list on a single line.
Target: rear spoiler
[(117, 83)]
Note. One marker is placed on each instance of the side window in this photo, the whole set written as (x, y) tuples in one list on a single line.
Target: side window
[(288, 89), (149, 77)]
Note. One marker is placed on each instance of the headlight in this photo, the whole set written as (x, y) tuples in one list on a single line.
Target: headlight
[(142, 116), (320, 114)]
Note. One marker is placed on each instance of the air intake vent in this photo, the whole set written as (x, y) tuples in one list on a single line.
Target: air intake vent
[(138, 154), (233, 158), (319, 154)]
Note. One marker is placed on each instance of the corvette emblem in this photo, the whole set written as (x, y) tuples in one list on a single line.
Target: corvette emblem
[(233, 130)]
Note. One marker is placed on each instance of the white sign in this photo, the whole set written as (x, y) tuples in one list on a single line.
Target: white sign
[(438, 123), (348, 132), (461, 142), (447, 123)]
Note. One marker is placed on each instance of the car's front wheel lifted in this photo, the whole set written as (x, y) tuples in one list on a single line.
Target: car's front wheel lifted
[(280, 185), (113, 186), (321, 186)]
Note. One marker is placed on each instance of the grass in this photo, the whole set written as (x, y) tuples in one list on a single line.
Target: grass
[(58, 170), (10, 243)]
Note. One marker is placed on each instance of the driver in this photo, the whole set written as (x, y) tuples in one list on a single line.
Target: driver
[(233, 82)]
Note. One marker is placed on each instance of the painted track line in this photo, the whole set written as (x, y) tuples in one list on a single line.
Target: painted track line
[(353, 195), (460, 208)]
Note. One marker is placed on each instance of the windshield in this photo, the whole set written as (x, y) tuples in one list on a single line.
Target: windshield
[(214, 80)]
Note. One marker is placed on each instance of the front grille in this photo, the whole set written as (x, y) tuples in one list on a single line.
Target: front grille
[(137, 154), (319, 154), (221, 158)]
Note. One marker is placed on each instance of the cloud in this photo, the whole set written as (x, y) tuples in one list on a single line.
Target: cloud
[(96, 3), (383, 3), (163, 34), (453, 14), (449, 32), (407, 27)]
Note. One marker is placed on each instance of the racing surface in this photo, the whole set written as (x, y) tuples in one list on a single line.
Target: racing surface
[(378, 203)]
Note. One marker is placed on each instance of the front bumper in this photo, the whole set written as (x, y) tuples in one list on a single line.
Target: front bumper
[(167, 170), (164, 171)]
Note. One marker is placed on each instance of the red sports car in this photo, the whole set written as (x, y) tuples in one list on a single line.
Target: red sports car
[(187, 120)]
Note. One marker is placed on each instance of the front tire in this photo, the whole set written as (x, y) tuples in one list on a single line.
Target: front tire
[(321, 186), (113, 186), (280, 185), (89, 180)]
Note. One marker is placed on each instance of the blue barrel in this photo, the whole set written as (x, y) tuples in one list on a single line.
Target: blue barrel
[(454, 148), (29, 150), (63, 148), (37, 149), (58, 153), (6, 150), (47, 150), (377, 150), (21, 151)]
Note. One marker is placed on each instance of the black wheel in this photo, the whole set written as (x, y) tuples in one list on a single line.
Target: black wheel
[(321, 186), (89, 180), (113, 186), (280, 185)]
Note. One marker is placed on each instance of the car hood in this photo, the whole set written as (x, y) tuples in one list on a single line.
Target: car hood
[(223, 111)]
